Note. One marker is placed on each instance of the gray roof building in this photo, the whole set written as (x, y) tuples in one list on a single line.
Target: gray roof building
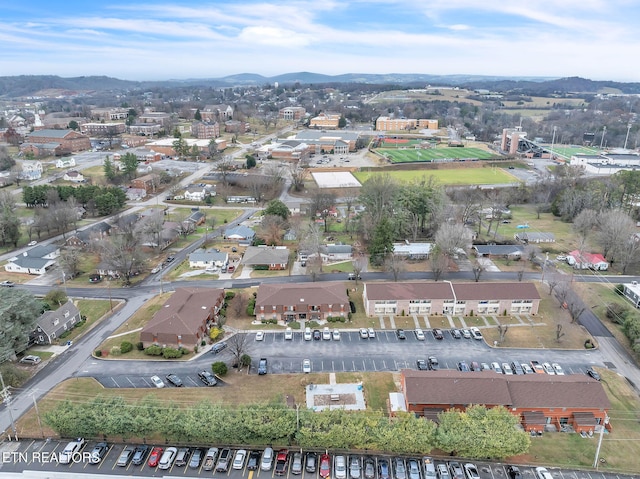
[(52, 324)]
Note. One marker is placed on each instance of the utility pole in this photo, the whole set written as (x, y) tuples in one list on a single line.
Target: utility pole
[(35, 407), (604, 132), (6, 398), (602, 428)]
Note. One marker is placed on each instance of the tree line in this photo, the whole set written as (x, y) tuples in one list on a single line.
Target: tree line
[(476, 432)]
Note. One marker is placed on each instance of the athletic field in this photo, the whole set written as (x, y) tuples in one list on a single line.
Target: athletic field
[(462, 176), (566, 152), (412, 155)]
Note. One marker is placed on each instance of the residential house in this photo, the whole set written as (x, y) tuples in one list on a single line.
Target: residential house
[(541, 402), (336, 252), (266, 257), (135, 194), (198, 193), (89, 235), (580, 260), (208, 259), (73, 176), (147, 182), (306, 301), (631, 291), (66, 162), (197, 217), (37, 260), (31, 170), (39, 150), (412, 251), (498, 251), (52, 324), (240, 233), (532, 237), (185, 318), (458, 299)]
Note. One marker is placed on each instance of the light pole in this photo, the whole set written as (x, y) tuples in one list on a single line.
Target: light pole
[(602, 428), (543, 267), (553, 140), (453, 291)]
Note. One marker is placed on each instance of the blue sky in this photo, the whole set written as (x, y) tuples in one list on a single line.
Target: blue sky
[(597, 39)]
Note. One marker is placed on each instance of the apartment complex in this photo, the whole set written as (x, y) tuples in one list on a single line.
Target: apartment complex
[(385, 123)]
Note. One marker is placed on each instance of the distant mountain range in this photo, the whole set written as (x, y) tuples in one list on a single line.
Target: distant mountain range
[(27, 85)]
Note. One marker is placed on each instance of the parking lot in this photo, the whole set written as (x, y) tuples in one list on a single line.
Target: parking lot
[(351, 353), (37, 456)]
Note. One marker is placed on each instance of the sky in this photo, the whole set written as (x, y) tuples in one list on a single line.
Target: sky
[(596, 39)]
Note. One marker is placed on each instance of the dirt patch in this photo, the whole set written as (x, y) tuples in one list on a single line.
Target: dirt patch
[(333, 399)]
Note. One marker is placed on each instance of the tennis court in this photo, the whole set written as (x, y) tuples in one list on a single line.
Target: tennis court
[(412, 155)]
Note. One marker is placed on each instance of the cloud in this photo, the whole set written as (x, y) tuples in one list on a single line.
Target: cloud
[(274, 36)]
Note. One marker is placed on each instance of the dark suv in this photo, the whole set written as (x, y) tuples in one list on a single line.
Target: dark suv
[(262, 366)]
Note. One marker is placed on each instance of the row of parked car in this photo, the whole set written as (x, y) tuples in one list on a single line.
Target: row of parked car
[(206, 377), (512, 368)]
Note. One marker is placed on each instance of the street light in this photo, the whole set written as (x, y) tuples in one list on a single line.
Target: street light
[(602, 428)]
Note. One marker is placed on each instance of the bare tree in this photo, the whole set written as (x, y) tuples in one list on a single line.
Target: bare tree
[(321, 204), (469, 203), (121, 253), (349, 201), (452, 238), (151, 227), (502, 330), (559, 332), (312, 243), (358, 264), (395, 265), (69, 261), (272, 229), (240, 302), (298, 176), (520, 271), (439, 262), (224, 166), (576, 308), (562, 293), (239, 344), (478, 269)]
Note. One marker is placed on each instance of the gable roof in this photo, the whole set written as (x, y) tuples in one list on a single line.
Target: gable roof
[(301, 294), (49, 133), (258, 255), (441, 290), (591, 258), (498, 249), (447, 387), (535, 236), (184, 312), (208, 256), (48, 318), (240, 231), (40, 251), (338, 248)]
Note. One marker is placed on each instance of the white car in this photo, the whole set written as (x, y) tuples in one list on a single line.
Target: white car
[(506, 369), (307, 334), (335, 335), (548, 368), (419, 334), (475, 333), (363, 333), (466, 334), (561, 257), (526, 368), (157, 382), (558, 369), (371, 332), (259, 335), (326, 334), (288, 334), (543, 473), (496, 367), (306, 366), (32, 243), (238, 460)]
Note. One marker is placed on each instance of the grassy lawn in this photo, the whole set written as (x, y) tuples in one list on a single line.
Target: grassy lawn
[(469, 176), (412, 155), (127, 332)]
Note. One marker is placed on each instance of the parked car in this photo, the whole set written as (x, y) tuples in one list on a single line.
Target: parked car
[(428, 468), (463, 366), (340, 466), (401, 334), (475, 366), (437, 333), (363, 333), (231, 268), (443, 473), (355, 468), (288, 334), (506, 369), (517, 369), (496, 367), (471, 470), (548, 368), (593, 373), (325, 466), (371, 332), (296, 463), (140, 454), (7, 284), (369, 468), (419, 334), (31, 359), (154, 457), (422, 365), (262, 366), (456, 334), (537, 367), (196, 458), (218, 347), (475, 332), (238, 460), (98, 452), (267, 459), (259, 335), (125, 456), (456, 470), (306, 366), (168, 456), (354, 276), (326, 334), (175, 380), (182, 458), (399, 469), (307, 334), (485, 367), (317, 336), (207, 378), (32, 243), (543, 473), (383, 469), (414, 469), (310, 462), (71, 449), (223, 460), (527, 369), (466, 334), (557, 369), (282, 462), (514, 472), (335, 335)]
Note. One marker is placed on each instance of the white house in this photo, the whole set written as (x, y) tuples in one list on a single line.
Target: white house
[(587, 261), (31, 170), (196, 193), (37, 260), (66, 162), (74, 176), (208, 259), (412, 250)]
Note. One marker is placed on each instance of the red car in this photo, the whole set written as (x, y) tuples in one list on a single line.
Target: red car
[(325, 466), (154, 457)]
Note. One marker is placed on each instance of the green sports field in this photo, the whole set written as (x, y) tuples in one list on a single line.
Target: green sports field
[(412, 155), (468, 176), (566, 152)]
